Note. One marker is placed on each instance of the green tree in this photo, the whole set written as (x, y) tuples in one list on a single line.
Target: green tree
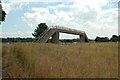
[(102, 39), (2, 13), (40, 29), (97, 39), (115, 38)]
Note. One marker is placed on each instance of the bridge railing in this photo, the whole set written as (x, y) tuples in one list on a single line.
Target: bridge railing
[(37, 38), (40, 36), (65, 28)]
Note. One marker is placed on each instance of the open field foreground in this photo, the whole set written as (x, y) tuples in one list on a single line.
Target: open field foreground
[(82, 60)]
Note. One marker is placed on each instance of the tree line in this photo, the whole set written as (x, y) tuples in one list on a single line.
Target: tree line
[(114, 38), (10, 40), (17, 39)]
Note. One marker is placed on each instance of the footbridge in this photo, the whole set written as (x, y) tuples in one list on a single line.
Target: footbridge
[(54, 31)]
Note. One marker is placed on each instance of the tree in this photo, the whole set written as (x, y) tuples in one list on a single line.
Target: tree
[(2, 13), (97, 39), (115, 38), (102, 39), (40, 29)]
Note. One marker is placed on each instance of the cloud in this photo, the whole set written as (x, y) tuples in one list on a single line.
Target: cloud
[(30, 25), (58, 6), (8, 7), (91, 3), (16, 1), (113, 0), (86, 15), (59, 18), (41, 10), (111, 17), (15, 34)]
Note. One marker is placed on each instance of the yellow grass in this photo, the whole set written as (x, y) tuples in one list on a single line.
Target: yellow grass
[(82, 60)]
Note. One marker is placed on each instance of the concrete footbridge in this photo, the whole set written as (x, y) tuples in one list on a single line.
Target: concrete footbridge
[(54, 31)]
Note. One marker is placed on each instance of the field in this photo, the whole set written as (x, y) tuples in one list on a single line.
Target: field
[(81, 60)]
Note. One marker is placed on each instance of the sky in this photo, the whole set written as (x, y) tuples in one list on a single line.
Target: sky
[(95, 17)]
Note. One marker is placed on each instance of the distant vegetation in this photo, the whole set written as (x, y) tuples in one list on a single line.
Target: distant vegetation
[(85, 60), (4, 40), (114, 38), (17, 39)]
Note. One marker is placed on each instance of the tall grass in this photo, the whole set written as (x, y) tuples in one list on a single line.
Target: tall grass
[(82, 60)]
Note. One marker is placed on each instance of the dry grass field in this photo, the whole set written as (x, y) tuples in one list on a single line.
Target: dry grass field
[(81, 60)]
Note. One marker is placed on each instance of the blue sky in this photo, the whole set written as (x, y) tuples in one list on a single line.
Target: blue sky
[(96, 18)]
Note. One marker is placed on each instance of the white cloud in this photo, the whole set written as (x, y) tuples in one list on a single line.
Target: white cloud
[(16, 1), (30, 25), (111, 17), (62, 5), (58, 6), (7, 7), (60, 18), (113, 0), (91, 3), (41, 10), (86, 15), (16, 34), (54, 0)]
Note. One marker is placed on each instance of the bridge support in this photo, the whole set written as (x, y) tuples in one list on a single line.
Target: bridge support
[(55, 38), (82, 38)]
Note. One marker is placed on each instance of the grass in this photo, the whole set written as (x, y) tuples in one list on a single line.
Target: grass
[(38, 60)]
